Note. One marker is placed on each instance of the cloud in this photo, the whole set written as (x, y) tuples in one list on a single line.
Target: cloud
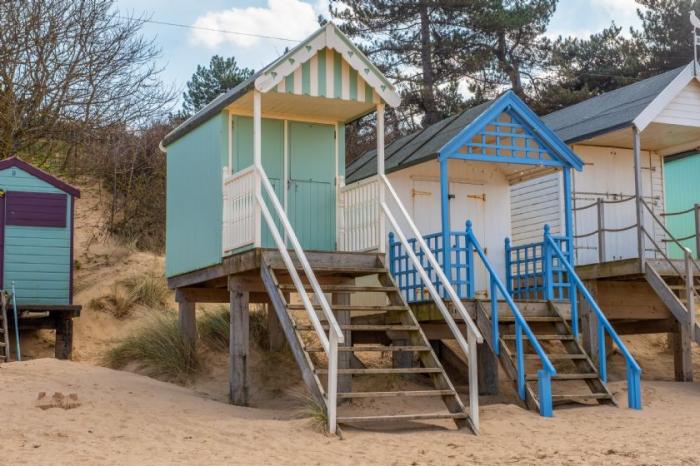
[(293, 19)]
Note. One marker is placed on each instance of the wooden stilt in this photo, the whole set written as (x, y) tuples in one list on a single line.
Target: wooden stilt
[(589, 322), (239, 345), (187, 321), (276, 338), (64, 338), (488, 366), (682, 354)]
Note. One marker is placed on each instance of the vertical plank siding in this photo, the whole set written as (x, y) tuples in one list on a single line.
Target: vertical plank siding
[(326, 74), (682, 193), (37, 259)]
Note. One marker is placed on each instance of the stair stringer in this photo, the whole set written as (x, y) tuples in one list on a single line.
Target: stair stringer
[(313, 383)]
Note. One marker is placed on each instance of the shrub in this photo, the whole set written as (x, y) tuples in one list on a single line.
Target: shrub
[(118, 303), (148, 289), (159, 349)]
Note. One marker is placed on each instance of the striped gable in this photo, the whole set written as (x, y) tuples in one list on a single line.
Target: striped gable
[(328, 65)]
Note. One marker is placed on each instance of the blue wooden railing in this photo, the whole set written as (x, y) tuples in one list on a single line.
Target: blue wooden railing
[(544, 375), (408, 279), (634, 396), (527, 269)]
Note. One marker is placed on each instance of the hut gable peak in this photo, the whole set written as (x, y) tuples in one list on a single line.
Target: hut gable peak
[(16, 162), (331, 38)]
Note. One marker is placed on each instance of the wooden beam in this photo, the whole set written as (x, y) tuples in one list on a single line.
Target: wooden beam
[(201, 295), (488, 363), (682, 353), (187, 321), (589, 321), (240, 344)]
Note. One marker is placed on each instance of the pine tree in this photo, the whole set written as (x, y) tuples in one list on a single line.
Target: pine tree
[(207, 83)]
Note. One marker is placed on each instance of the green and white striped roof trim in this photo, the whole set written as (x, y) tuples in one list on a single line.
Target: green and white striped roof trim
[(328, 65)]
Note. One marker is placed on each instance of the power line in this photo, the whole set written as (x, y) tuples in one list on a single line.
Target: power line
[(200, 28)]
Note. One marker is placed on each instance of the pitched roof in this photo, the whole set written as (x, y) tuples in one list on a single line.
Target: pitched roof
[(274, 74), (609, 111), (427, 143), (15, 161)]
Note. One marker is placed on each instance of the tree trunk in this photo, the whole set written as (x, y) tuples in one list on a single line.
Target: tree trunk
[(508, 67)]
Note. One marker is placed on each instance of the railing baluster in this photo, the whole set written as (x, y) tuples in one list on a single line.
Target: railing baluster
[(602, 358), (494, 316), (521, 359)]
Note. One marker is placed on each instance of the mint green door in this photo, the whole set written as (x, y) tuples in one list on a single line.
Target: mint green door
[(311, 195), (272, 161)]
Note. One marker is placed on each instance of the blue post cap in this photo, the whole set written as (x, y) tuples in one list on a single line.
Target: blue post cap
[(469, 224), (546, 228), (391, 236), (507, 241)]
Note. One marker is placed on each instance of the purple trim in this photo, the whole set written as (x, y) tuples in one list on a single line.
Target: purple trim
[(2, 242), (41, 174), (72, 260), (30, 209)]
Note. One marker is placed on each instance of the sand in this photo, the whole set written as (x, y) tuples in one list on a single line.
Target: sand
[(125, 418)]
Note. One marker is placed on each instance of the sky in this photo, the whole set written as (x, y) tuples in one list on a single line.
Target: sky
[(183, 49)]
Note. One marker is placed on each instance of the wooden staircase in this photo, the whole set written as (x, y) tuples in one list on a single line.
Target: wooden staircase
[(577, 379), (369, 384)]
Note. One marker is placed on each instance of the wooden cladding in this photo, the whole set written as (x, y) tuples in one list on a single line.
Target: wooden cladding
[(36, 209)]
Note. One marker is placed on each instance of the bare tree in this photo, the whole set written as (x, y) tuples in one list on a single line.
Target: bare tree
[(70, 68)]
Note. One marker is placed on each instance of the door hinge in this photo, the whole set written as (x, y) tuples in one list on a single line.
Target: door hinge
[(415, 192), (481, 197)]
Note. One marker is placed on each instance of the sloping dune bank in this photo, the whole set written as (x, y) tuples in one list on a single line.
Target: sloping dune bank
[(123, 418)]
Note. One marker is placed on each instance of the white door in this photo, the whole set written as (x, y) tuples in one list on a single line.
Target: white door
[(425, 201), (468, 202)]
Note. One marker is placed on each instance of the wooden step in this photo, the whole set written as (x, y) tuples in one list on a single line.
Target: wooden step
[(560, 399), (349, 307), (510, 319), (409, 393), (340, 288), (364, 328), (532, 377), (402, 417), (374, 348), (541, 337), (385, 370), (555, 357)]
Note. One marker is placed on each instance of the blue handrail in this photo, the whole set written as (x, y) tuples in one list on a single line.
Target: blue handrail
[(544, 375), (634, 396)]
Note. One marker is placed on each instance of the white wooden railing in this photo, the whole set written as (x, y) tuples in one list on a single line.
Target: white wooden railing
[(468, 345), (335, 335), (239, 210), (361, 227)]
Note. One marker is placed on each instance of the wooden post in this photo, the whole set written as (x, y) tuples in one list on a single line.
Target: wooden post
[(187, 321), (682, 353), (240, 343), (344, 357), (380, 171), (64, 338), (275, 333), (639, 193), (257, 161), (589, 321), (487, 362)]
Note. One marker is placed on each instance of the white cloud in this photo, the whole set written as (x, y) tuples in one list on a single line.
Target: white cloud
[(291, 19), (623, 12)]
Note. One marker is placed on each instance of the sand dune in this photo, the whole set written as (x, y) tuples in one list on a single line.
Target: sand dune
[(124, 418)]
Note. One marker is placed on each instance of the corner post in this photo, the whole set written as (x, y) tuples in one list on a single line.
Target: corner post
[(257, 161), (471, 286), (638, 193), (187, 319), (240, 343), (547, 266), (380, 172), (445, 217), (697, 230), (569, 214)]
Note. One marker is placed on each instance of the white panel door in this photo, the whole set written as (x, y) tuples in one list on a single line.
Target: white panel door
[(468, 202)]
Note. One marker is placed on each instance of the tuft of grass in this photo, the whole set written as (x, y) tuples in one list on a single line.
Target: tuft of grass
[(159, 350), (213, 327), (148, 289), (314, 411)]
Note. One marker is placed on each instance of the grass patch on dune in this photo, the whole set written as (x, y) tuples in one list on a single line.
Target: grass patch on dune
[(214, 328), (158, 349), (147, 289)]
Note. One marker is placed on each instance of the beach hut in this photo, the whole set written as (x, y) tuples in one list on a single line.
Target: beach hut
[(36, 244), (256, 213), (682, 201), (473, 181)]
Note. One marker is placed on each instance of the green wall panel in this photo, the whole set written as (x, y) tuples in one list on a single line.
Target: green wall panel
[(194, 197), (682, 182), (37, 259)]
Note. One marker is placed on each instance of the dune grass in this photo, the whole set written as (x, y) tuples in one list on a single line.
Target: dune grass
[(159, 350), (213, 327), (147, 289)]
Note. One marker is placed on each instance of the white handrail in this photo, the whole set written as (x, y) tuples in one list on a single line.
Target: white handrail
[(473, 333), (437, 268), (330, 342)]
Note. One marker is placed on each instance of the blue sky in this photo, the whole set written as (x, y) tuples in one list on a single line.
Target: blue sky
[(184, 49)]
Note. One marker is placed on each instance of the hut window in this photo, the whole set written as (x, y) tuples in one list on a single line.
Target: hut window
[(36, 209)]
